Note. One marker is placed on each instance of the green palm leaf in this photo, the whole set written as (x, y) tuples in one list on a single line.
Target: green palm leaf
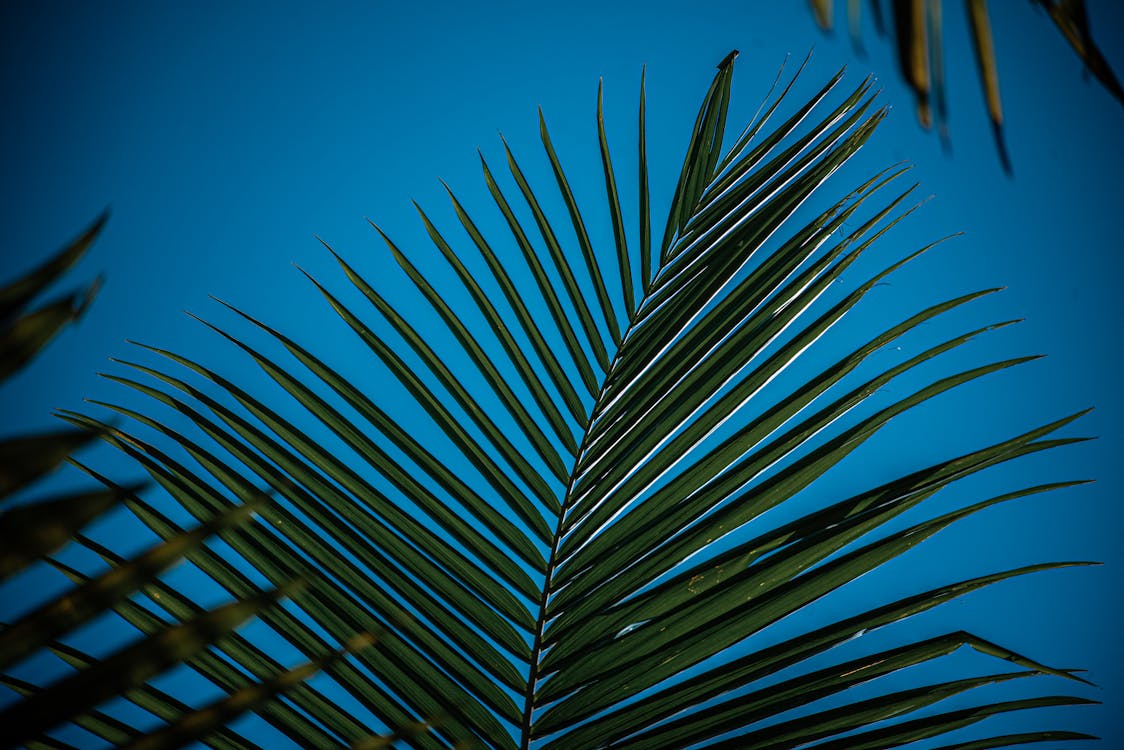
[(31, 531), (918, 33), (123, 669), (564, 547)]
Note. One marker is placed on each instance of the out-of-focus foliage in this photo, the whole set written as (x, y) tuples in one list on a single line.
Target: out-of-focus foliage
[(33, 530), (917, 28)]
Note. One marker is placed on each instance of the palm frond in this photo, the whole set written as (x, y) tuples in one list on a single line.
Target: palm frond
[(31, 531), (124, 669), (565, 546), (918, 37), (204, 721), (24, 331)]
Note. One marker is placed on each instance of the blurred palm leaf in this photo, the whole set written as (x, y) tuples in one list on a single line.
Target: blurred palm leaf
[(917, 32), (32, 531), (24, 331), (564, 546)]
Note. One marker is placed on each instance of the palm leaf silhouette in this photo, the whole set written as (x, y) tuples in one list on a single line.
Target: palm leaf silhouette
[(32, 531), (918, 35), (567, 549)]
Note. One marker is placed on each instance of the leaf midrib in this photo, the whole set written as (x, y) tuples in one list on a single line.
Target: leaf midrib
[(552, 560)]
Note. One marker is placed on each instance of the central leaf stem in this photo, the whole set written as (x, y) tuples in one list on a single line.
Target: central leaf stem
[(552, 560)]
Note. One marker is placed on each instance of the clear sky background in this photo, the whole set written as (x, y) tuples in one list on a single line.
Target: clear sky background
[(224, 136)]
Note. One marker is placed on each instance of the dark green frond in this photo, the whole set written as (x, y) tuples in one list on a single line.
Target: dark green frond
[(565, 542), (918, 36), (124, 669)]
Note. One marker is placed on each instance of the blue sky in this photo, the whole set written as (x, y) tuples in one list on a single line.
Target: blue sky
[(227, 137)]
